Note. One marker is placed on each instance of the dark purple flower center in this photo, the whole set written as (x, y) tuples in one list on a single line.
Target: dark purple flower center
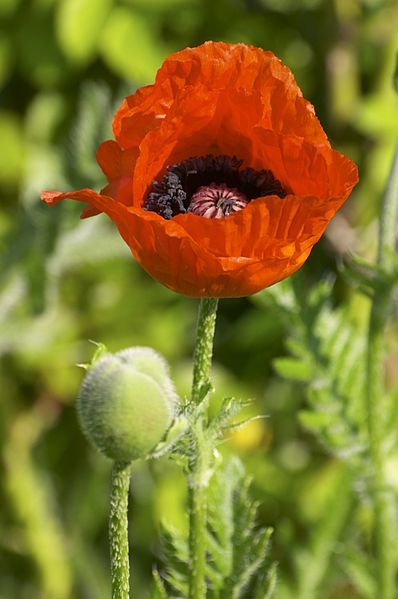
[(209, 186)]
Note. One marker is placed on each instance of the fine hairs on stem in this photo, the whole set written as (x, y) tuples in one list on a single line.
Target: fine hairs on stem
[(118, 531), (198, 473)]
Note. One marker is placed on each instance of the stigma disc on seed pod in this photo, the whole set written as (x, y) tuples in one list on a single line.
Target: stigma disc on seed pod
[(127, 403)]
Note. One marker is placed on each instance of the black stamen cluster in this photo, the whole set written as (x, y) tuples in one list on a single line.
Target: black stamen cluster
[(172, 195)]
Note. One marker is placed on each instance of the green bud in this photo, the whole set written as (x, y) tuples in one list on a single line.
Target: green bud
[(126, 403)]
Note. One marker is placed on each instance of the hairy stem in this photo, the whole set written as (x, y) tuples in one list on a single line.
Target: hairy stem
[(118, 531), (200, 465), (204, 344), (382, 497)]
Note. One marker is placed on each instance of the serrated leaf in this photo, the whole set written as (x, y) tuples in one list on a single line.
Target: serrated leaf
[(331, 348), (175, 550), (237, 550), (241, 548), (361, 273), (229, 409), (280, 296), (158, 590), (266, 584)]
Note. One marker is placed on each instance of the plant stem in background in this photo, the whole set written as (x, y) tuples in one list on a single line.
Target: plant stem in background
[(118, 531), (31, 503), (199, 467), (384, 531)]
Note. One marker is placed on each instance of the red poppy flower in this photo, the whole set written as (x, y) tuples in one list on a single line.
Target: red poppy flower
[(221, 178)]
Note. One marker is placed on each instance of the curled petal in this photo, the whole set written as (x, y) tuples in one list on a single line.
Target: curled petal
[(230, 257)]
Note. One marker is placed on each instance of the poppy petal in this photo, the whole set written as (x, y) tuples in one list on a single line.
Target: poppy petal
[(219, 66), (114, 161), (220, 99)]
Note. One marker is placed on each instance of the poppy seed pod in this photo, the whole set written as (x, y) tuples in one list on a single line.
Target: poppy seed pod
[(127, 403)]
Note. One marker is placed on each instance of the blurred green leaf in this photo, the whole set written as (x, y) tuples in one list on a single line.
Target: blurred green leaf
[(32, 499), (41, 60), (79, 25), (161, 5), (378, 114), (44, 170), (7, 7), (286, 6), (316, 421), (360, 571), (296, 370), (313, 563), (6, 58), (395, 75), (130, 45), (44, 116), (329, 348), (12, 140), (92, 124)]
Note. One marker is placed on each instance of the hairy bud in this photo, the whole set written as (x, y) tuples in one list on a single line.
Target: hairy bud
[(127, 403)]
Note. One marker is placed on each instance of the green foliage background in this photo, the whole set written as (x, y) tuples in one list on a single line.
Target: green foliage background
[(64, 66)]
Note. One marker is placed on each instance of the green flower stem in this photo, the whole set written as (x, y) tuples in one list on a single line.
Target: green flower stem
[(204, 345), (382, 497), (200, 466), (118, 531)]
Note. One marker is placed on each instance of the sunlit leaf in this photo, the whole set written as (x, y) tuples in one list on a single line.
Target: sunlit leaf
[(296, 370), (130, 45), (79, 24), (11, 135)]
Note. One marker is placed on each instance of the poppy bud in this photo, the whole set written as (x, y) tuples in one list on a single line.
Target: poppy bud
[(127, 403)]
